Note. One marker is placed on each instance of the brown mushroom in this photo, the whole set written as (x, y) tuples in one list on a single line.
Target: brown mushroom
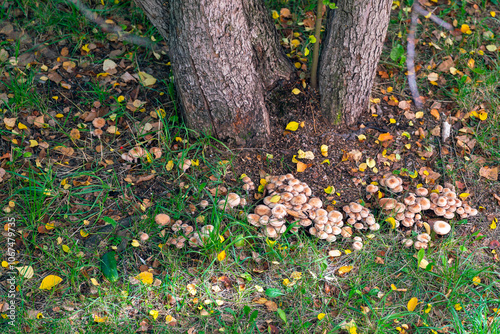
[(162, 219), (99, 122), (441, 227)]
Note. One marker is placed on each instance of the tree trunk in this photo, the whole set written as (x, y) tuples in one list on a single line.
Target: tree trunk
[(351, 51), (225, 55)]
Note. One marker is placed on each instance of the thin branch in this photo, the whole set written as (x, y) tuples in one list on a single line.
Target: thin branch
[(110, 28), (432, 17), (317, 34), (410, 60)]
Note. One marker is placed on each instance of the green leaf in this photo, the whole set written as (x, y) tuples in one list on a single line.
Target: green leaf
[(397, 52), (246, 276), (282, 315), (108, 266), (110, 220), (420, 256), (273, 293), (253, 316)]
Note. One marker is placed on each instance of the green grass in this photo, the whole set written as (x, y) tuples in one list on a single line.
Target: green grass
[(255, 267)]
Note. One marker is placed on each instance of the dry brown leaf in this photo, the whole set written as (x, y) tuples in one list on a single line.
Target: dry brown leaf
[(491, 173), (75, 134), (65, 150), (271, 306), (301, 166), (497, 198), (435, 113), (446, 65)]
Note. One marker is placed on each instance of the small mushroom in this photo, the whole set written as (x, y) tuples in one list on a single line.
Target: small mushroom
[(421, 191), (357, 245), (407, 243), (441, 227), (204, 203), (233, 199), (137, 152), (253, 219), (315, 202), (279, 211), (355, 207), (371, 188), (162, 219), (424, 237), (335, 216), (263, 210), (99, 122), (387, 203)]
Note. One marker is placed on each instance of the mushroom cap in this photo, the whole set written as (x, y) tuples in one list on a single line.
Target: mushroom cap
[(422, 191), (271, 232), (346, 209), (410, 200), (298, 200), (370, 220), (359, 226), (351, 220), (279, 211), (263, 210), (400, 208), (286, 196), (393, 182), (136, 152), (375, 227), (407, 222), (450, 194), (441, 227), (407, 243), (473, 212), (246, 179), (328, 228), (424, 203), (321, 212), (264, 220), (306, 207), (298, 187), (439, 188), (253, 219), (233, 199), (449, 215), (441, 201), (355, 207), (424, 237), (336, 230), (398, 189), (335, 216), (162, 219), (420, 245), (321, 220), (276, 222), (357, 245), (415, 208), (204, 203), (315, 202), (143, 236), (387, 203), (246, 187), (439, 211), (331, 238), (307, 191), (293, 182), (207, 229), (99, 122), (313, 230), (305, 222), (460, 211), (289, 176), (346, 232), (371, 188)]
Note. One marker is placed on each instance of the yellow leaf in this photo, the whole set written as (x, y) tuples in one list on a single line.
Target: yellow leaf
[(458, 307), (419, 114), (493, 14), (99, 319), (321, 316), (362, 167), (345, 269), (389, 89), (296, 91), (393, 287), (147, 79), (483, 115), (412, 304), (66, 249), (296, 275), (301, 167), (120, 98), (292, 126), (195, 162), (329, 190), (294, 160), (464, 195), (154, 314), (324, 150), (370, 162), (470, 63), (312, 39), (275, 199), (433, 76), (276, 15), (59, 115), (145, 277), (49, 282), (392, 121), (191, 289), (464, 28), (428, 309), (493, 224), (33, 143), (169, 165), (295, 43), (361, 138), (326, 161), (476, 280), (286, 282), (221, 256), (391, 221), (135, 243), (21, 126), (84, 233), (86, 46), (169, 319), (306, 52), (94, 281), (491, 47), (26, 271), (384, 136)]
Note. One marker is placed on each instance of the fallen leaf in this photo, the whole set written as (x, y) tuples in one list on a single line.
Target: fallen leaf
[(296, 91), (145, 277), (301, 167), (26, 271), (292, 126), (221, 256), (491, 173), (147, 79), (344, 270), (412, 304), (49, 282), (385, 136)]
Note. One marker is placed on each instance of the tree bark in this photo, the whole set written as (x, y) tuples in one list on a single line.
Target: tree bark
[(225, 55), (351, 51)]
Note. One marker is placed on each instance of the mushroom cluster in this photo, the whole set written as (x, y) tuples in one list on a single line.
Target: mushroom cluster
[(231, 201), (184, 232), (446, 203), (248, 184), (360, 217), (392, 182)]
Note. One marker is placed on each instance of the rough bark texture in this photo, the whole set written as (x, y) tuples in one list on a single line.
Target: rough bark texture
[(225, 54), (351, 51)]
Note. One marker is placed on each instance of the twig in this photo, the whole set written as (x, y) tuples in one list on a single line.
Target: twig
[(317, 34), (432, 17), (410, 61), (109, 28)]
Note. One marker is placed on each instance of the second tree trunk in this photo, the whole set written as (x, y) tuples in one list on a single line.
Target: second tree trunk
[(351, 51)]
